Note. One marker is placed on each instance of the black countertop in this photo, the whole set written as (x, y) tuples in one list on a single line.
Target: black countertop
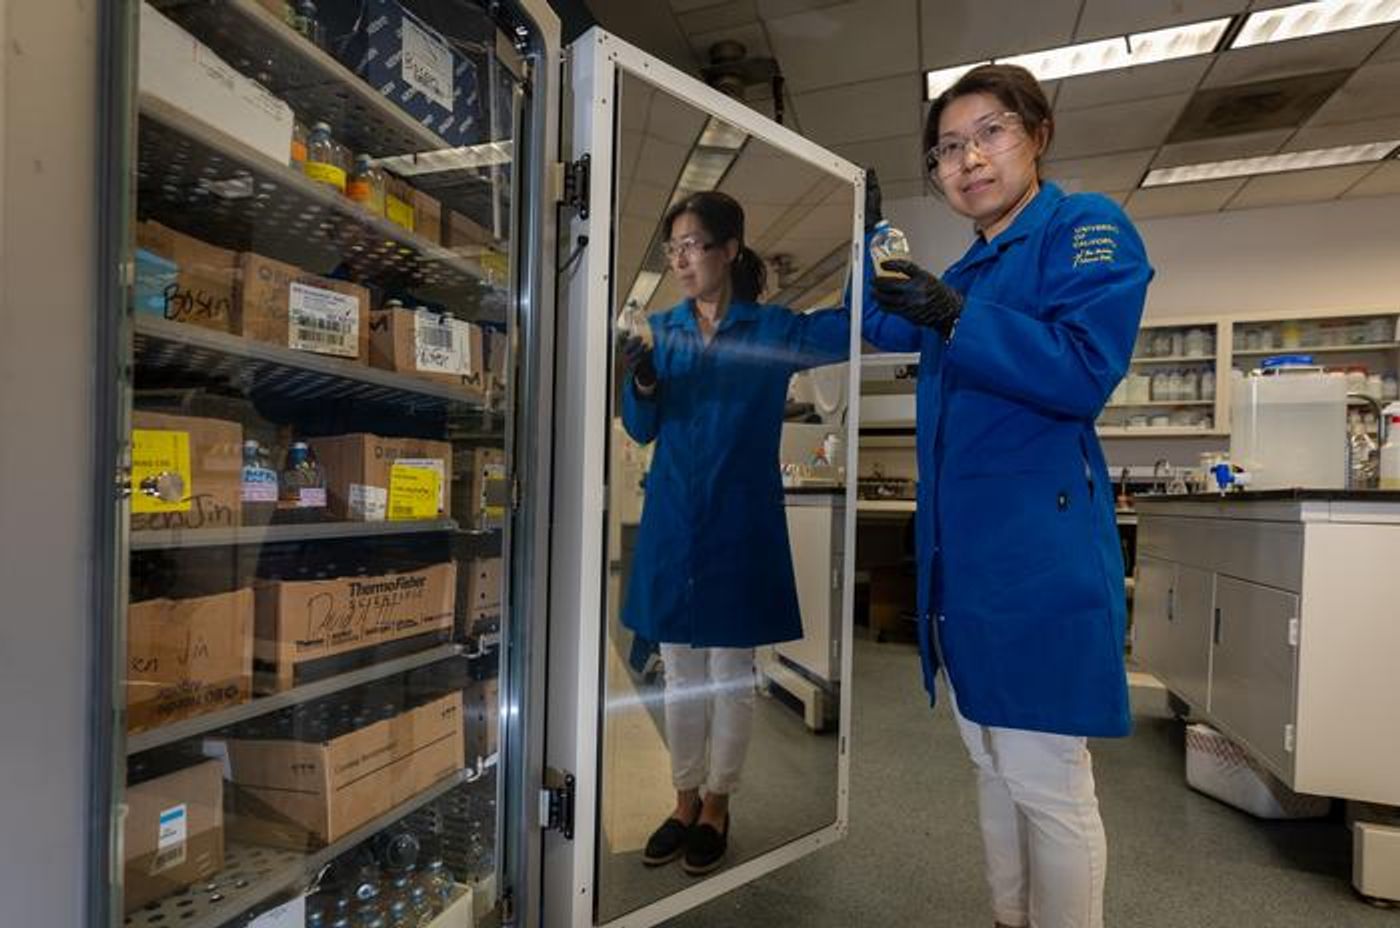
[(818, 491), (1296, 495)]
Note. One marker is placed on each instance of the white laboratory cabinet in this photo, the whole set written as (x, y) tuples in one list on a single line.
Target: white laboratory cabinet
[(1273, 616)]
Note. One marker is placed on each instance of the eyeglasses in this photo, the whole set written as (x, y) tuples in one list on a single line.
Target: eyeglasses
[(688, 247), (991, 135)]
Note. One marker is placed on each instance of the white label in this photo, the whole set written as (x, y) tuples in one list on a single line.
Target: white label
[(427, 64), (259, 485), (436, 464), (287, 915), (323, 321), (440, 343), (170, 842), (311, 498), (368, 504)]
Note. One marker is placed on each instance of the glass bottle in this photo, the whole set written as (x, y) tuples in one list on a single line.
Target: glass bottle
[(303, 484), (888, 244), (302, 16), (299, 145), (323, 159), (366, 185), (1208, 385), (423, 907)]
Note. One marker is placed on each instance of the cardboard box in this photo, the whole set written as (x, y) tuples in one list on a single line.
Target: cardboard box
[(482, 705), (464, 235), (173, 835), (427, 217), (359, 469), (212, 489), (398, 203), (306, 620), (202, 293), (409, 62), (299, 795), (186, 657), (331, 316), (892, 597), (488, 495), (427, 345), (184, 74), (482, 593)]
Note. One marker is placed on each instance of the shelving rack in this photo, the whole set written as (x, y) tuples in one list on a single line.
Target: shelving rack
[(201, 180)]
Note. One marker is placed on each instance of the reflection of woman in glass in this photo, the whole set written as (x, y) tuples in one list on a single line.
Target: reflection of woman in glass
[(713, 574)]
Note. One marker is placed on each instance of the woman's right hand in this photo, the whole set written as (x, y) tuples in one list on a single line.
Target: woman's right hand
[(640, 362)]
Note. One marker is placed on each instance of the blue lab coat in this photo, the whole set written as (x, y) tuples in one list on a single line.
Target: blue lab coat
[(713, 567), (1020, 570)]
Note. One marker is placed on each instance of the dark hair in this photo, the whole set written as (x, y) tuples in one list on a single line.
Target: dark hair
[(1016, 89), (722, 218)]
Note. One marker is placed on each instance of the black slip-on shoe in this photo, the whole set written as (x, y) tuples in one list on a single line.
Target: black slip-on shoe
[(705, 849), (666, 843)]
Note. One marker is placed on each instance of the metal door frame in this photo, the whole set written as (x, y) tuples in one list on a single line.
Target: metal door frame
[(580, 469)]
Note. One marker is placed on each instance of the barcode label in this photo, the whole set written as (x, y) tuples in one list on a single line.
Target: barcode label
[(441, 343), (323, 321), (171, 835)]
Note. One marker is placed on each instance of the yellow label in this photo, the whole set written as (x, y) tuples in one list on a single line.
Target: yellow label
[(497, 266), (413, 492), (326, 174), (398, 212), (159, 458)]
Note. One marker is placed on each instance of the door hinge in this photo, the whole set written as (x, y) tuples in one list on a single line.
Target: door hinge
[(1288, 738), (572, 184), (1293, 632), (515, 494), (557, 804)]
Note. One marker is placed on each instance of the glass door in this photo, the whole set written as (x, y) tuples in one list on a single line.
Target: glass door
[(325, 389), (700, 592)]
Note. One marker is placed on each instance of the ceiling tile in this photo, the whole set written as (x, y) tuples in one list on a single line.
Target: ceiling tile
[(721, 16), (1390, 51), (1383, 181), (1118, 127), (1222, 149), (1299, 186), (1116, 17), (674, 120), (660, 162), (857, 112), (1332, 52), (772, 9), (1107, 172), (1349, 133), (904, 189), (868, 35), (685, 6), (893, 159), (960, 31), (1186, 199), (1120, 197), (642, 200), (1369, 94), (767, 176), (1151, 80)]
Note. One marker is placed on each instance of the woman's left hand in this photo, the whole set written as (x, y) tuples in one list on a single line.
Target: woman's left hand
[(918, 296)]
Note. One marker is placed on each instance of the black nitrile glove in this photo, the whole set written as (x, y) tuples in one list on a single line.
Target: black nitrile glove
[(918, 296), (639, 361), (874, 211)]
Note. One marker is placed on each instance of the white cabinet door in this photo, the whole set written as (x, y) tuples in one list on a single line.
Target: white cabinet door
[(1152, 614), (1253, 672), (1189, 635)]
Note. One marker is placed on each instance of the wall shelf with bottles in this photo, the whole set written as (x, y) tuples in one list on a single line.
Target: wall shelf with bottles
[(197, 179), (255, 874)]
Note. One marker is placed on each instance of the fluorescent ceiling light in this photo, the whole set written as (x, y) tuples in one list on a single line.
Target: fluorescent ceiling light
[(449, 159), (1305, 19), (1270, 164), (703, 170), (643, 288), (1124, 51), (720, 134), (935, 82)]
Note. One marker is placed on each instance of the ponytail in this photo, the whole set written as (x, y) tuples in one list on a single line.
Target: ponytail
[(747, 275)]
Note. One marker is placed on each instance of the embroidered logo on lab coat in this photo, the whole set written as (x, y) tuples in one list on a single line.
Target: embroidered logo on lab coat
[(1096, 243)]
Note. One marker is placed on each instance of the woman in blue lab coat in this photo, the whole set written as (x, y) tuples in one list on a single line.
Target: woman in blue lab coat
[(1020, 597), (713, 575)]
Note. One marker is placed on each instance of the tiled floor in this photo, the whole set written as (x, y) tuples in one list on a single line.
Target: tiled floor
[(1176, 859)]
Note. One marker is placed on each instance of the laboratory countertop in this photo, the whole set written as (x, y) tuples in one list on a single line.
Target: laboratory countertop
[(1296, 495), (815, 491)]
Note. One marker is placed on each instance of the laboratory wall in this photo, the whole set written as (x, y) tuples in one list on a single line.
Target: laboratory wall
[(1318, 257)]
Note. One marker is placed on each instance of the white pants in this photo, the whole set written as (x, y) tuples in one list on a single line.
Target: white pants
[(1041, 831), (709, 714)]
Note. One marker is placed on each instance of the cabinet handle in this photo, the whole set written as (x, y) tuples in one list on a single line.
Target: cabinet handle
[(1171, 605), (1216, 633)]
